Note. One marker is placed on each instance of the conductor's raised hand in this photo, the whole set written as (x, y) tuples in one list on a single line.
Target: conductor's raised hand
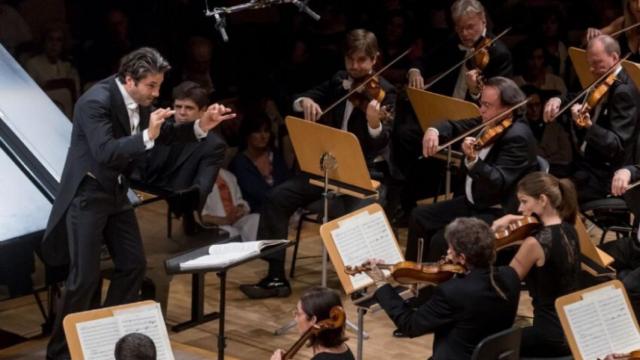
[(156, 119), (551, 109), (214, 115), (593, 33), (311, 110), (430, 142)]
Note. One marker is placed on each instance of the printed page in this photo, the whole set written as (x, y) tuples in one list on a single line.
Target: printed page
[(365, 238), (98, 338), (222, 255), (146, 320), (588, 329), (620, 327)]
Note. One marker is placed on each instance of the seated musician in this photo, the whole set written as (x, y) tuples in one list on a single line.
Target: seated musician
[(182, 166), (463, 310), (492, 172), (373, 134), (548, 260), (604, 138), (626, 251), (314, 306), (629, 40), (470, 24)]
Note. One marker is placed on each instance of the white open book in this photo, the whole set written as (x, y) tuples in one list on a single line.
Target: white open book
[(599, 322), (98, 337), (221, 255)]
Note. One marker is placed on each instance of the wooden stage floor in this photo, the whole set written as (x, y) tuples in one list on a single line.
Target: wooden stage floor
[(250, 323)]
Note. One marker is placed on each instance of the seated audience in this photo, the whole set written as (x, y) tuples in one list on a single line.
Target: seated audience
[(226, 207)]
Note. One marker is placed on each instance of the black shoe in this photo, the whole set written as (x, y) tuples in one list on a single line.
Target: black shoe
[(266, 288), (399, 334)]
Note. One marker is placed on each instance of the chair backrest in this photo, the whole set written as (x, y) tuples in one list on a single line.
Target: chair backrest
[(543, 164), (504, 345)]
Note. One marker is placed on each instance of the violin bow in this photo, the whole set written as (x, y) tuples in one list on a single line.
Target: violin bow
[(482, 125), (623, 30), (465, 59), (590, 87), (361, 86)]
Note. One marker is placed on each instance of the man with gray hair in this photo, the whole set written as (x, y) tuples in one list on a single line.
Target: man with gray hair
[(470, 25), (604, 138), (113, 126)]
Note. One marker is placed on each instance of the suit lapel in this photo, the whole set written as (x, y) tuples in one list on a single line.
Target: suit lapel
[(119, 107)]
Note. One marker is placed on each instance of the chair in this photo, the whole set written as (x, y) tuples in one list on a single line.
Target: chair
[(504, 345), (543, 164), (312, 213)]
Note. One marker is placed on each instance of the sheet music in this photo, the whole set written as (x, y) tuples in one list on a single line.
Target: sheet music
[(365, 238), (588, 330), (618, 322), (602, 324), (225, 254), (146, 320), (98, 338)]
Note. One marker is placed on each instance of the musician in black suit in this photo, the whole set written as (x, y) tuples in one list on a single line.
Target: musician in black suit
[(607, 139), (372, 131), (190, 168), (470, 24), (491, 172), (113, 126), (465, 309)]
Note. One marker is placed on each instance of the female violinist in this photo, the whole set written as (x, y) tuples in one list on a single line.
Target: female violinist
[(548, 260), (464, 309), (629, 40), (315, 306)]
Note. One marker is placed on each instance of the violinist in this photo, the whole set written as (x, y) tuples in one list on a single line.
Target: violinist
[(603, 137), (548, 259), (491, 172), (629, 40), (465, 309), (369, 119), (314, 306), (626, 251), (470, 25)]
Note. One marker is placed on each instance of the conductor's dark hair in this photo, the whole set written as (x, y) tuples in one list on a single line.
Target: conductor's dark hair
[(141, 63), (135, 346)]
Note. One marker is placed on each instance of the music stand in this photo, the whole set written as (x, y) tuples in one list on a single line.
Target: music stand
[(431, 108), (333, 160)]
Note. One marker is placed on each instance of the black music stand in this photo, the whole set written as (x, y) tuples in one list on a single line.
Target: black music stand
[(198, 316)]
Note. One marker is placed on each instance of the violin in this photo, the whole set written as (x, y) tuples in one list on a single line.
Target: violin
[(480, 58), (336, 320), (409, 272), (594, 98), (516, 231), (364, 94), (490, 135)]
